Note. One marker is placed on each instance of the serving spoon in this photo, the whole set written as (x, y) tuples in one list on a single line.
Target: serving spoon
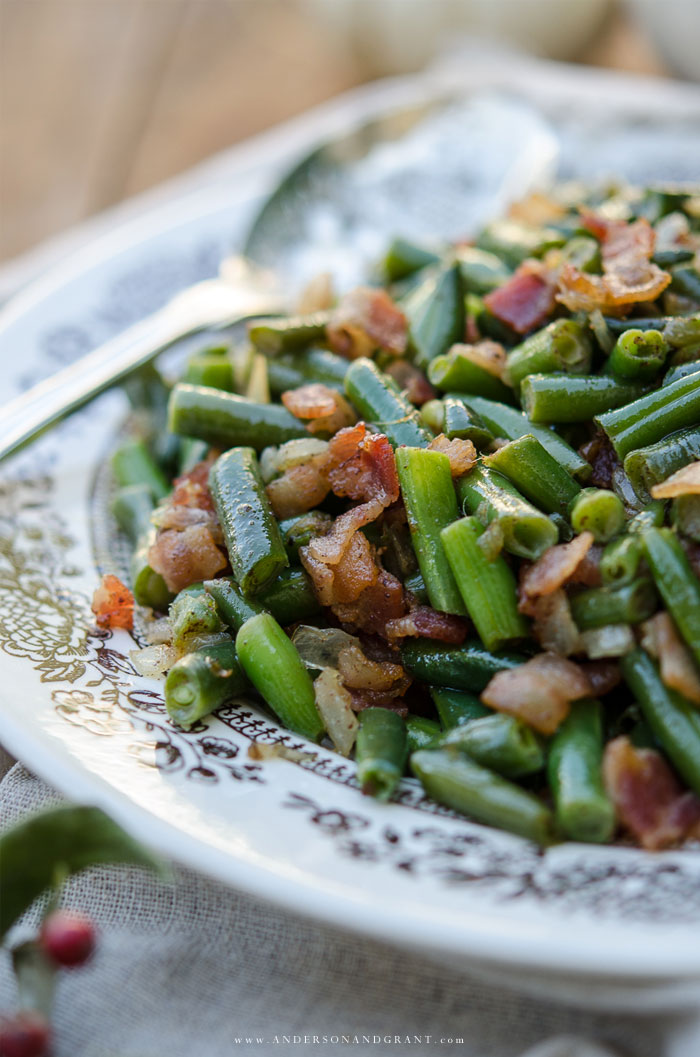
[(392, 174)]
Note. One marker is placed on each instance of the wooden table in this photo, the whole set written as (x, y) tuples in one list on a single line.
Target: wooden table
[(100, 99)]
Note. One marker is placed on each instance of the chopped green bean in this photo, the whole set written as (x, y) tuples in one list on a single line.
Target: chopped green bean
[(226, 420), (527, 532), (565, 398), (563, 345), (630, 603), (535, 473), (599, 511), (202, 681), (379, 401), (677, 583), (583, 809), (381, 751)]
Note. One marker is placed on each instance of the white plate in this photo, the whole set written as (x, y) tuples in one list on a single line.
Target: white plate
[(611, 926)]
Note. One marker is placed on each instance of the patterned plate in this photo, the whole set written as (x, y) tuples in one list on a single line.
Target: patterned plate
[(610, 926)]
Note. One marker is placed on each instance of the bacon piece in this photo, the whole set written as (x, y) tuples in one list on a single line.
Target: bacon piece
[(367, 319), (192, 489), (365, 471), (678, 669), (554, 627), (358, 672), (113, 604), (647, 796), (539, 691), (525, 300), (424, 622), (600, 453), (412, 381), (377, 605), (682, 482), (461, 453), (603, 676), (587, 572), (628, 276), (362, 699), (326, 408), (183, 558), (556, 567), (180, 517), (300, 488)]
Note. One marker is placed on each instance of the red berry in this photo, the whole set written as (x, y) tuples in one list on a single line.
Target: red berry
[(24, 1035), (68, 937)]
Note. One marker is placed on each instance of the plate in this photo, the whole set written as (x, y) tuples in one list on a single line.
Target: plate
[(609, 927)]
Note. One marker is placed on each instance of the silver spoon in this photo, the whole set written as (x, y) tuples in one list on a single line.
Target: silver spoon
[(357, 182)]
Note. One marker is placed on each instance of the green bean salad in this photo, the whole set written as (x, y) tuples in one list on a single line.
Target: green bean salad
[(449, 521)]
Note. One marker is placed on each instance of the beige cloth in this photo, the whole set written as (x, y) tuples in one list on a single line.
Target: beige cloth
[(194, 969)]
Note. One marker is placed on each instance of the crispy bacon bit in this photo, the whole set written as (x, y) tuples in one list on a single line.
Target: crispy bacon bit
[(628, 276), (461, 453), (678, 670), (183, 558), (600, 453), (682, 482), (326, 408), (113, 604), (335, 706), (365, 471), (192, 489), (603, 676), (587, 572), (424, 622), (367, 319), (362, 699), (556, 567), (300, 488), (181, 517), (412, 381), (647, 797), (525, 300), (377, 605), (358, 672), (539, 692), (554, 627)]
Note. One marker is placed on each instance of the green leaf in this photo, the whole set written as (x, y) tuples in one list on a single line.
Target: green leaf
[(66, 838)]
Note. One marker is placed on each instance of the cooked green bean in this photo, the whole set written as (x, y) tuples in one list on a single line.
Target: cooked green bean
[(454, 780), (231, 605), (673, 720), (379, 401), (416, 585), (468, 667), (527, 532), (202, 681), (274, 336), (253, 539), (132, 507), (298, 531), (677, 583), (488, 588), (650, 465), (461, 370), (682, 370), (435, 312), (500, 742), (456, 707), (381, 752), (192, 451), (421, 732), (404, 258), (630, 603), (464, 424), (481, 271), (226, 420), (132, 463), (652, 417), (599, 511), (620, 561), (564, 398), (638, 354), (563, 345), (310, 365), (582, 807), (275, 669), (431, 504), (510, 424), (535, 473), (514, 241), (216, 372), (193, 617)]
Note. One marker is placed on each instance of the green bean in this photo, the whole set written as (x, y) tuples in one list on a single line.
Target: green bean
[(462, 371), (379, 401), (584, 253), (454, 780), (674, 721), (563, 345), (231, 605), (685, 515), (599, 511), (535, 473), (510, 424), (457, 707), (583, 809), (132, 507), (502, 743), (421, 732), (226, 420), (202, 681), (481, 271), (416, 585), (565, 398), (527, 532), (290, 597), (514, 241), (133, 464), (216, 372), (253, 539), (404, 258), (677, 583), (193, 617), (431, 504), (681, 370), (192, 451), (468, 667), (435, 312), (652, 515), (287, 334), (149, 587), (272, 664), (630, 603), (646, 420), (298, 531), (680, 331), (638, 354), (686, 281), (667, 258), (620, 561), (487, 587), (462, 423), (650, 465), (380, 751), (310, 365)]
